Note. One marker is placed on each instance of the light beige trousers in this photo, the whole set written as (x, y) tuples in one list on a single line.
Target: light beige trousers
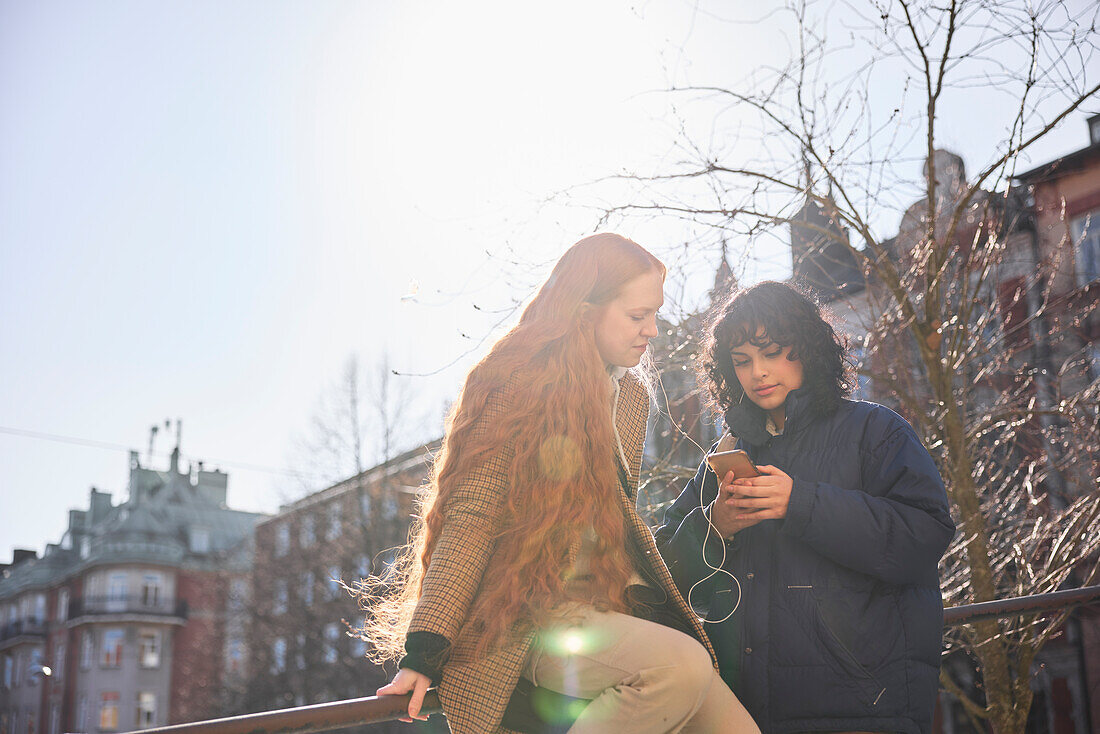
[(642, 677)]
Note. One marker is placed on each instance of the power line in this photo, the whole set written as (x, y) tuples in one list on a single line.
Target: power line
[(119, 447)]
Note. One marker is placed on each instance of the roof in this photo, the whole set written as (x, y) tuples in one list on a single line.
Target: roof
[(156, 524), (1074, 162), (411, 459)]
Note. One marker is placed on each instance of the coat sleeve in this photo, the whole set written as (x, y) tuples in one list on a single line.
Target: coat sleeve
[(471, 517), (897, 528), (680, 540)]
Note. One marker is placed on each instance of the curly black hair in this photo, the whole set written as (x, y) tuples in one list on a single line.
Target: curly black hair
[(789, 318)]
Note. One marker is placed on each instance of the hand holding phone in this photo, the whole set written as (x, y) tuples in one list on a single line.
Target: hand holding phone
[(723, 513), (723, 462)]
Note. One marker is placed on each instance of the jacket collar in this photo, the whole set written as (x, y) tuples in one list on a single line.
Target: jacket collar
[(746, 421)]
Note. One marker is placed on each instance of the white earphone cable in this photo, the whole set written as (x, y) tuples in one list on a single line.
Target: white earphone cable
[(710, 523)]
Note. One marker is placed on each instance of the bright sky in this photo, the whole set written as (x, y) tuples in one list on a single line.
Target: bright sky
[(205, 207)]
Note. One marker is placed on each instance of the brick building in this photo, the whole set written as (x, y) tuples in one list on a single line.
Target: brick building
[(112, 628), (307, 558)]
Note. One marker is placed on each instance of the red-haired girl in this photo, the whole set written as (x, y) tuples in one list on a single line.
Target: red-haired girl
[(530, 558)]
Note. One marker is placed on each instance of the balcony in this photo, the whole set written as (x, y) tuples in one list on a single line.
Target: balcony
[(98, 606), (23, 628)]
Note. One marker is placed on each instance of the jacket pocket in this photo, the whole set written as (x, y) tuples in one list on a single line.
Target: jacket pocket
[(868, 686)]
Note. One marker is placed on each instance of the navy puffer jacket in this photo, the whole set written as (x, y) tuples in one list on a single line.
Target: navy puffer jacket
[(840, 621)]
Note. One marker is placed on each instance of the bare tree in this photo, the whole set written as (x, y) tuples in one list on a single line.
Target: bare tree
[(364, 418), (967, 325), (362, 461)]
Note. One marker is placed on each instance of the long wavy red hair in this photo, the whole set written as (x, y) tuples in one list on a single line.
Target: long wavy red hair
[(556, 424)]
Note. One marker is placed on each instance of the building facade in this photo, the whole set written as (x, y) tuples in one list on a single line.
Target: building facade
[(308, 561), (112, 628)]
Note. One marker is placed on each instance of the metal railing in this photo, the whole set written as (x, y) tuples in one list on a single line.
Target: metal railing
[(20, 627), (376, 709), (99, 605)]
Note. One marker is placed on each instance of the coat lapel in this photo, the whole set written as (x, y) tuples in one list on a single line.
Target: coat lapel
[(631, 414)]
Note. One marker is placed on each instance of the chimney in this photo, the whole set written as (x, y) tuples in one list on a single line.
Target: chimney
[(1094, 130), (18, 555)]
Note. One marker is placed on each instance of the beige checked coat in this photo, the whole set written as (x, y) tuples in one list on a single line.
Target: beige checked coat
[(475, 691)]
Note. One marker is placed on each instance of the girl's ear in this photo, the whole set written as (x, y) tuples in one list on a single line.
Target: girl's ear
[(586, 314)]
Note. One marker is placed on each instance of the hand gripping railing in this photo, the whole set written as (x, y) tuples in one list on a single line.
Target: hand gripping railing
[(375, 709)]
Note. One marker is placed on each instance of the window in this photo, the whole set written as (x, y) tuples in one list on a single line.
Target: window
[(308, 582), (62, 605), (280, 597), (92, 585), (149, 648), (282, 540), (85, 547), (34, 666), (234, 657), (150, 589), (9, 671), (300, 652), (108, 711), (81, 722), (238, 595), (58, 661), (112, 648), (390, 508), (363, 567), (116, 592), (39, 608), (55, 719), (334, 582), (87, 650), (335, 521), (307, 534), (332, 641), (359, 647), (146, 710), (364, 504), (1085, 231), (862, 389), (17, 677), (278, 655), (387, 559), (200, 540)]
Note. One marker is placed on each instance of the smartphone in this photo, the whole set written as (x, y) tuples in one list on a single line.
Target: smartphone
[(738, 462)]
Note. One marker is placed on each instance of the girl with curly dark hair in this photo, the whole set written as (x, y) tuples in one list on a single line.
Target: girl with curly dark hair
[(818, 576)]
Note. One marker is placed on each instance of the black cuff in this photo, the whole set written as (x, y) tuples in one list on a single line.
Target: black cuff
[(426, 653)]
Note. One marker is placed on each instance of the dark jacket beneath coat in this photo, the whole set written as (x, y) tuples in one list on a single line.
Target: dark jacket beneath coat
[(840, 620)]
